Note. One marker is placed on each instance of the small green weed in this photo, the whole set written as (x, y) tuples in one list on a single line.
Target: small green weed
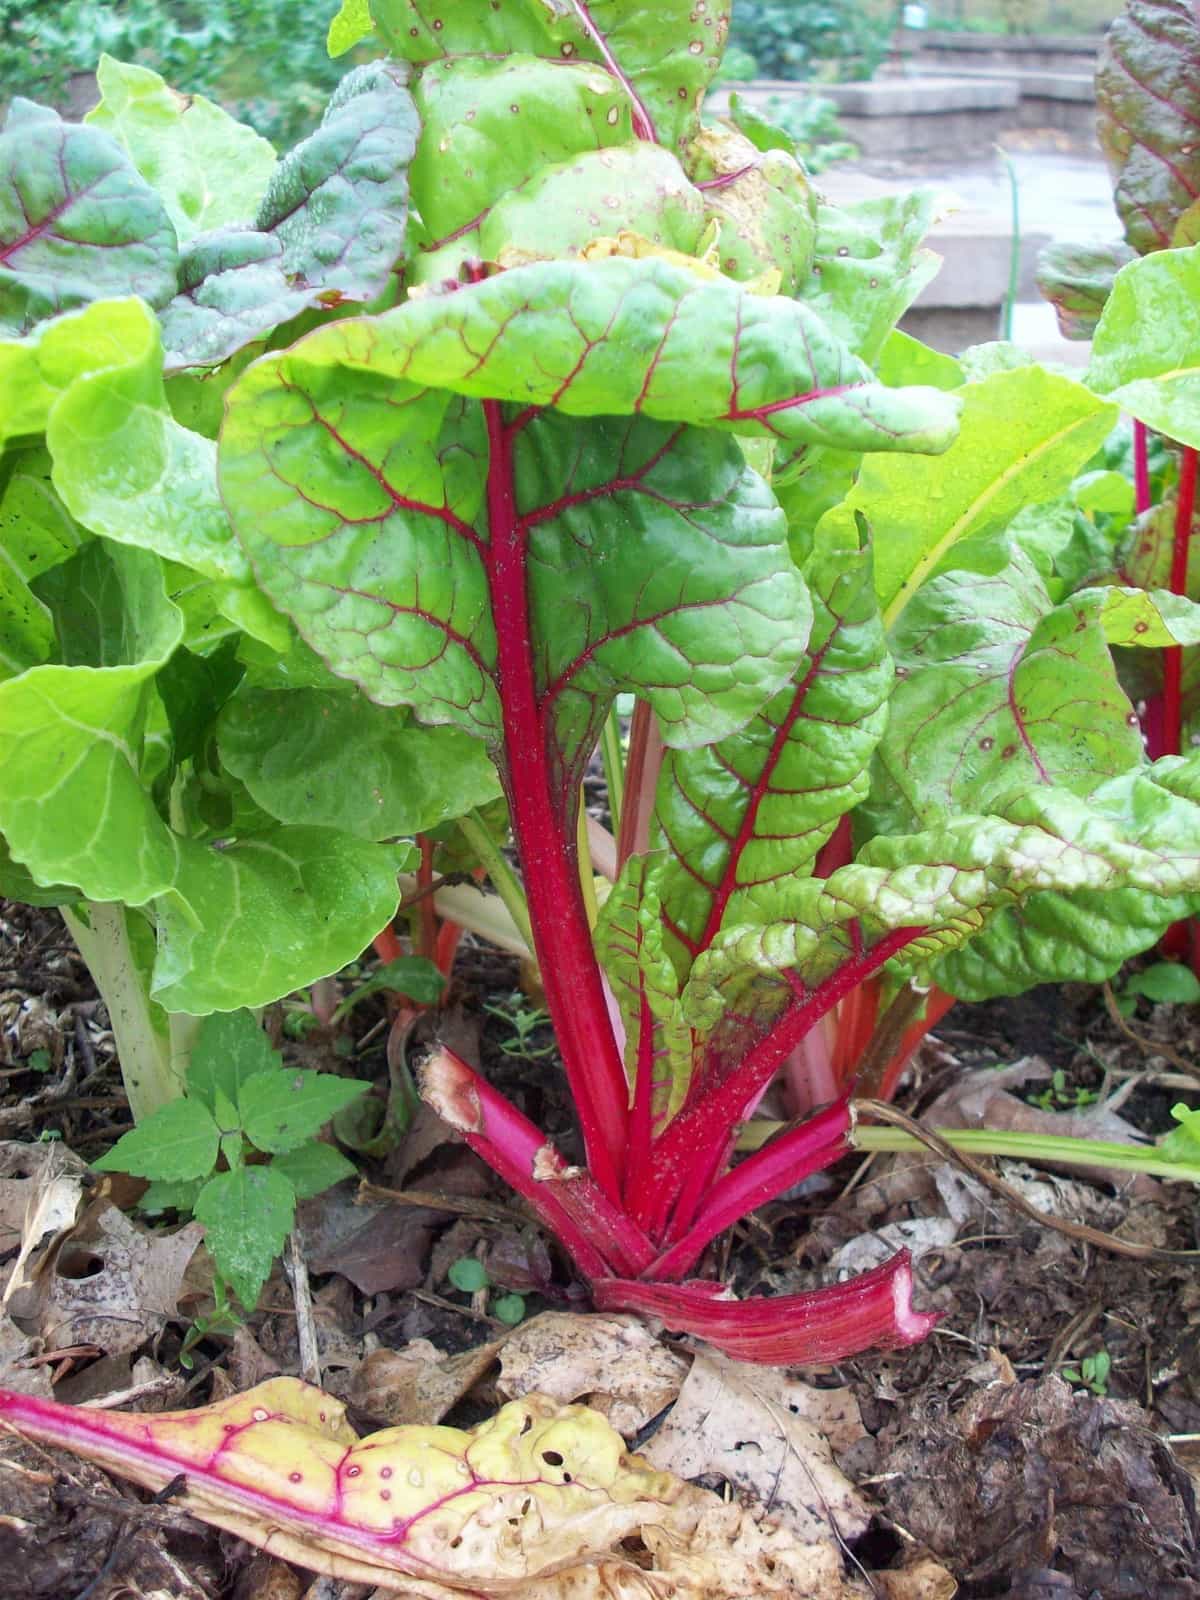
[(470, 1276), (1091, 1373), (203, 1152)]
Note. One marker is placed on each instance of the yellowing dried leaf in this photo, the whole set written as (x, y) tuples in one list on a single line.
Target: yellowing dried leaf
[(760, 1429), (613, 1363)]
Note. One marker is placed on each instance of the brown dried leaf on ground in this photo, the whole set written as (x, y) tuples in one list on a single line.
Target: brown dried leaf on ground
[(1035, 1478), (40, 1190), (768, 1435), (613, 1363), (111, 1283), (15, 1372), (378, 1246), (418, 1383), (983, 1099)]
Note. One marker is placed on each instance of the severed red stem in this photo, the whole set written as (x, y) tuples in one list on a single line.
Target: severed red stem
[(642, 767), (1185, 511), (869, 1312), (690, 1151), (543, 818), (794, 1155)]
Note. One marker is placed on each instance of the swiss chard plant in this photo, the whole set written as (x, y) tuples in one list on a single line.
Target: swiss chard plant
[(534, 388)]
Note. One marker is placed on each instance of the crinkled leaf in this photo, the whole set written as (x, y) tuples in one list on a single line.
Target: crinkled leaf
[(869, 266), (247, 1215), (229, 1048), (1044, 849), (754, 809), (1148, 112), (333, 759), (177, 1142), (1146, 350), (269, 914), (330, 228), (312, 1167), (762, 207), (1077, 280), (998, 688), (77, 221), (282, 1108), (126, 469), (532, 1490), (207, 168), (631, 943), (36, 535), (501, 126), (704, 613), (1085, 935), (72, 801), (35, 371), (638, 187), (663, 53), (1024, 435), (350, 27)]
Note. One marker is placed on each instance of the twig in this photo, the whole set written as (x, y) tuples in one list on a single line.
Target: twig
[(296, 1268), (1017, 1202), (1150, 1046), (123, 1511), (432, 1299), (454, 1204)]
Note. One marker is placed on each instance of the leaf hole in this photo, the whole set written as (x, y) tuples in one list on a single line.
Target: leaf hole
[(552, 1458), (78, 1264)]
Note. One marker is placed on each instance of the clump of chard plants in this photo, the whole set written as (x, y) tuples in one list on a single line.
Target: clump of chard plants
[(531, 381)]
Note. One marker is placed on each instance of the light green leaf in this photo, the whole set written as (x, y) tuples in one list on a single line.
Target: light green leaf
[(312, 1167), (664, 52), (230, 1047), (596, 194), (332, 759), (77, 222), (1023, 437), (350, 27), (756, 808), (269, 914), (904, 359), (467, 1275), (1165, 982), (247, 1216), (207, 168), (1146, 348), (36, 534), (498, 125), (281, 1109), (330, 229), (870, 266), (73, 806), (126, 469), (178, 1142)]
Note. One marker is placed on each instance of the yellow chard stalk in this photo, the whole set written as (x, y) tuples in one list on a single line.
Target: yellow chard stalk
[(534, 1490)]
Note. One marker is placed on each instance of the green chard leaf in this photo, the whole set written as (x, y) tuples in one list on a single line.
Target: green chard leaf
[(660, 55), (1146, 349), (379, 554), (207, 168), (1077, 280), (331, 758), (754, 809), (350, 27), (177, 1143), (1148, 110), (330, 228), (1024, 436), (36, 534), (762, 207), (281, 1109), (247, 1216), (77, 222)]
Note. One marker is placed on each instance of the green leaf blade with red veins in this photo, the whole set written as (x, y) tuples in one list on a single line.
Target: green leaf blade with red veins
[(1077, 279), (1148, 104), (331, 227), (77, 222), (662, 55), (757, 807)]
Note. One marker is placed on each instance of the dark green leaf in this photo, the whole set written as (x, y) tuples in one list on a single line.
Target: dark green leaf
[(178, 1142), (247, 1216), (313, 1167), (230, 1048), (281, 1109)]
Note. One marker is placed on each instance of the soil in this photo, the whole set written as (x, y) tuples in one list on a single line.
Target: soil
[(1023, 1485)]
